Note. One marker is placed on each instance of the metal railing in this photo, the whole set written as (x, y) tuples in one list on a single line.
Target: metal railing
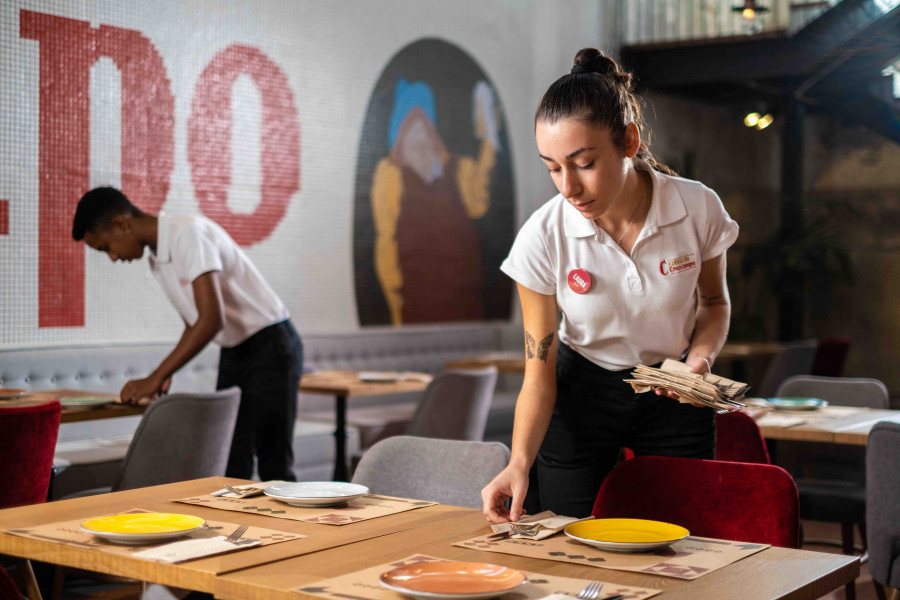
[(657, 21)]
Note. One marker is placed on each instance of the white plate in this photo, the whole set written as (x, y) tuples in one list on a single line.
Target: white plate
[(316, 493), (85, 402), (380, 376), (622, 546)]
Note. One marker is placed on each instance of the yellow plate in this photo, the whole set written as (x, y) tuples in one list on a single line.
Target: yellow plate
[(626, 535), (141, 528)]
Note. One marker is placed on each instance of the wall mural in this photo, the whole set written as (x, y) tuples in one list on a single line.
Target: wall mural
[(434, 212)]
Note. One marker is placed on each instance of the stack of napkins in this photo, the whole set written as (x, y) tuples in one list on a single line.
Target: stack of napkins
[(721, 394), (535, 527)]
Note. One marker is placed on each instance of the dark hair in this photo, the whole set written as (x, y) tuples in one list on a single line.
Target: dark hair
[(97, 208), (599, 92)]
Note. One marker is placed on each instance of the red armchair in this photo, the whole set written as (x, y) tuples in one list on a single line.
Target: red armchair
[(738, 439), (726, 500), (27, 444)]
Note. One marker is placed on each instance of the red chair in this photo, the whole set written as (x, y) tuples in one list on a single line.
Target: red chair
[(8, 588), (831, 356), (738, 439), (726, 500), (27, 444)]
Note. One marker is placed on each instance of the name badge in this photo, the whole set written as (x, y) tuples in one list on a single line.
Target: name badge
[(579, 281)]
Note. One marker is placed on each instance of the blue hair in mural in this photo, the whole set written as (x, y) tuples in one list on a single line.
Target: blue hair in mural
[(408, 96)]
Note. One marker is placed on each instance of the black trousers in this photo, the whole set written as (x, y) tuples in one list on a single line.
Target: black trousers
[(267, 367), (596, 414)]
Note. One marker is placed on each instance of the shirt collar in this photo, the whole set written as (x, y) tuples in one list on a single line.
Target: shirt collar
[(163, 255), (575, 225)]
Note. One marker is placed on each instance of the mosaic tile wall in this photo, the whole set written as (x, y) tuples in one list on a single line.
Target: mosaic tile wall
[(250, 113)]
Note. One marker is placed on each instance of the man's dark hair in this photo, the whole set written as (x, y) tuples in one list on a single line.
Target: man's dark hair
[(97, 208)]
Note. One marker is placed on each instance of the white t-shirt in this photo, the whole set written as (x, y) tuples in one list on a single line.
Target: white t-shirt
[(188, 246), (639, 309)]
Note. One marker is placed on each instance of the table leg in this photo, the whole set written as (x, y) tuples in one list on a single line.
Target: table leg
[(340, 438)]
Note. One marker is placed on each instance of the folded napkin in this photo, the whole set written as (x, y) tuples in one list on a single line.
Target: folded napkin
[(539, 526), (177, 552), (251, 489), (712, 390), (771, 420)]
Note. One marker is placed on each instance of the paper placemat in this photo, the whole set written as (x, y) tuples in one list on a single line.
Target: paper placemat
[(70, 534), (358, 509), (689, 558), (364, 585)]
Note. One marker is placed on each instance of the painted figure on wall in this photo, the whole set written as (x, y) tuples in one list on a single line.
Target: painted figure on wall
[(431, 218)]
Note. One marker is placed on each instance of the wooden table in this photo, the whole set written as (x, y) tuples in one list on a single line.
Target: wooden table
[(346, 384), (772, 573), (514, 361), (201, 574), (71, 415), (831, 424)]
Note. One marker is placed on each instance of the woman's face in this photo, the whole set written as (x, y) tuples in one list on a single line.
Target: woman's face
[(586, 167)]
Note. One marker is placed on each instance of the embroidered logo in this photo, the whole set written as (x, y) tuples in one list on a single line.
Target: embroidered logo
[(674, 266)]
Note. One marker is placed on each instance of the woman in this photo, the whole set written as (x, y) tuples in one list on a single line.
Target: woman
[(625, 266)]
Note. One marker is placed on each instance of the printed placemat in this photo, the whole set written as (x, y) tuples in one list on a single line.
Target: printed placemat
[(70, 534), (689, 558), (359, 509), (364, 585)]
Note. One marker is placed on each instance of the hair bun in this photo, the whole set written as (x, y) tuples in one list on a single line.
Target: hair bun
[(591, 60)]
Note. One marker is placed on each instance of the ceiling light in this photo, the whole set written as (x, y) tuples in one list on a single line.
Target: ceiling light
[(765, 121), (750, 10), (751, 119)]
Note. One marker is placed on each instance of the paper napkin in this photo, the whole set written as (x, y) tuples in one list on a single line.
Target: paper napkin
[(177, 552), (543, 525)]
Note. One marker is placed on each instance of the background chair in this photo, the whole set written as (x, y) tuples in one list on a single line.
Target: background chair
[(445, 471), (181, 437), (883, 506), (726, 500), (27, 443), (738, 439), (831, 356), (796, 359), (455, 405), (831, 479)]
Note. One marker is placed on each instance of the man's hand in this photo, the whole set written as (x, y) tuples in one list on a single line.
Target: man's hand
[(143, 391)]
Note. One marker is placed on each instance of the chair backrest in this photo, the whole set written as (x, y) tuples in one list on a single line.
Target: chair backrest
[(726, 500), (455, 405), (181, 437), (883, 502), (27, 444), (445, 471), (796, 359), (831, 356), (738, 439), (840, 391)]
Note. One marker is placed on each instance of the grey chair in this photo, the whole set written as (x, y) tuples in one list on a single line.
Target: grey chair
[(445, 471), (796, 359), (831, 480), (883, 506), (455, 405)]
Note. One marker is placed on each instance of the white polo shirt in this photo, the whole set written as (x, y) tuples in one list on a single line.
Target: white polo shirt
[(639, 309), (187, 246)]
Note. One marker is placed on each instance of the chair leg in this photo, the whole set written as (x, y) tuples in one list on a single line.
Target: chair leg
[(879, 591), (31, 585), (895, 594)]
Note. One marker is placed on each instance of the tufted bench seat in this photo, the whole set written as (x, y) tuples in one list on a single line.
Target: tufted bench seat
[(91, 450)]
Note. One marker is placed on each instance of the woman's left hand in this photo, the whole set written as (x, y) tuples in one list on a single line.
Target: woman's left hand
[(697, 365)]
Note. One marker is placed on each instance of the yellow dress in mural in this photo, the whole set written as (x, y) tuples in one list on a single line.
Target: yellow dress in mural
[(424, 203)]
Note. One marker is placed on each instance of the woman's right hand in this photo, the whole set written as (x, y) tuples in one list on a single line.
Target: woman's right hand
[(512, 482)]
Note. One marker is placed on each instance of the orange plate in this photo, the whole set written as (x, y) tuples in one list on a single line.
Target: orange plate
[(452, 578)]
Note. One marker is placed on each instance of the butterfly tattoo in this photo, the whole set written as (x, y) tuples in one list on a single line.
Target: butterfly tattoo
[(542, 349)]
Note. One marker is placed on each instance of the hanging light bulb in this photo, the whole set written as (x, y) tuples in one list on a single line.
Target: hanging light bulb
[(751, 119), (765, 121), (748, 13)]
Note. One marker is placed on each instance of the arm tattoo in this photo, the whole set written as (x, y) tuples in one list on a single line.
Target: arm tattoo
[(542, 349)]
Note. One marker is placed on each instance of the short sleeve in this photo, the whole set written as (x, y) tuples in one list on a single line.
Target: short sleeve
[(196, 252), (721, 231), (529, 262)]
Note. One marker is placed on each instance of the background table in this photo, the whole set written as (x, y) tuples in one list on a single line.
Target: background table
[(198, 574), (830, 424), (772, 573), (71, 415), (346, 384)]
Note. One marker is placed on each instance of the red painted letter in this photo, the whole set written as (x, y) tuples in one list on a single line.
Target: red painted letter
[(209, 142), (68, 49)]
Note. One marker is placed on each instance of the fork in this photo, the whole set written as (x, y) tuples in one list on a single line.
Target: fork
[(524, 530), (590, 591), (242, 492), (236, 534)]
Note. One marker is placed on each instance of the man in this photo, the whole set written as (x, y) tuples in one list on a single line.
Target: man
[(221, 297)]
